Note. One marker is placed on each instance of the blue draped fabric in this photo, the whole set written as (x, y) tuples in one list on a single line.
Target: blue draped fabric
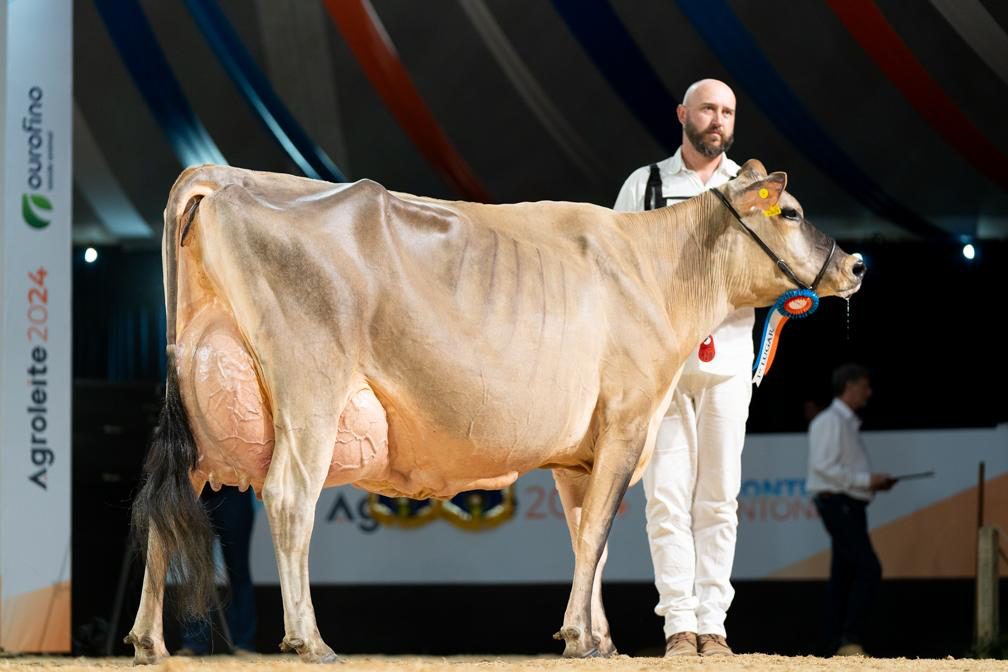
[(254, 86), (137, 45), (610, 46)]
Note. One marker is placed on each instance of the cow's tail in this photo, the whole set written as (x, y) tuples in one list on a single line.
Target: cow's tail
[(167, 503)]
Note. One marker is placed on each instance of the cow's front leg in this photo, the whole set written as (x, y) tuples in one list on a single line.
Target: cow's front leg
[(616, 455), (296, 474), (147, 633), (571, 486)]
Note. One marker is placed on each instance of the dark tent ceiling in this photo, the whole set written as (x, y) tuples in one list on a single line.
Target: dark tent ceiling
[(888, 116)]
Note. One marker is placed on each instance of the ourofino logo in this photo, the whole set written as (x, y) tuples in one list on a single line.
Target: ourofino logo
[(36, 209)]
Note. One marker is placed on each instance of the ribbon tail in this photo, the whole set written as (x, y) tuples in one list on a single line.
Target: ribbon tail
[(775, 322)]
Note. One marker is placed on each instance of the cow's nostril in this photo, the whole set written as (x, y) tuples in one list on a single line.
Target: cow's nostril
[(858, 269)]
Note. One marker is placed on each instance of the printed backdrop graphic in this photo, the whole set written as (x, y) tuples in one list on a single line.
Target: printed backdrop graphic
[(35, 326), (922, 528)]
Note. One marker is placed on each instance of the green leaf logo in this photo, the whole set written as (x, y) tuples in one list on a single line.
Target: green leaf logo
[(31, 207)]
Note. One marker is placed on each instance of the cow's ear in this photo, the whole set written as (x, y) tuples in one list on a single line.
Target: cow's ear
[(762, 194), (753, 168)]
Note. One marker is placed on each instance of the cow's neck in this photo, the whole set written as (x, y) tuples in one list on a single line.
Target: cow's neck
[(694, 259)]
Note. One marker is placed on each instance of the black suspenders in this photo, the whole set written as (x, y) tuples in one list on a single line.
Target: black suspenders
[(653, 193), (653, 197)]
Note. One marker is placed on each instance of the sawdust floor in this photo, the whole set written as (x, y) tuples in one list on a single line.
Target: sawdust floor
[(748, 663)]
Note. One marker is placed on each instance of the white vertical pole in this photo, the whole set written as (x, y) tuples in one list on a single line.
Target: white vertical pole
[(35, 373), (3, 295)]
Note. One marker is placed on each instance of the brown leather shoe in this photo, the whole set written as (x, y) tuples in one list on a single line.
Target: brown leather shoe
[(681, 644), (713, 645), (851, 649)]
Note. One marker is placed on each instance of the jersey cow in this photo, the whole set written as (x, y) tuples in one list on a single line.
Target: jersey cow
[(323, 334)]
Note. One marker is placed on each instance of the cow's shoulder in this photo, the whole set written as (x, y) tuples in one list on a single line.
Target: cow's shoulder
[(428, 215)]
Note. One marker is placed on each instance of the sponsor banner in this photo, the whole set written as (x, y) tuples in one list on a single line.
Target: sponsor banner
[(35, 371), (350, 546), (922, 528)]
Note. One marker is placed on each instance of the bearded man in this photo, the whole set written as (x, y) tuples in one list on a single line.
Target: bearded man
[(693, 479)]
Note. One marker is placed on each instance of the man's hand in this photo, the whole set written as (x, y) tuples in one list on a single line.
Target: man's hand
[(881, 482)]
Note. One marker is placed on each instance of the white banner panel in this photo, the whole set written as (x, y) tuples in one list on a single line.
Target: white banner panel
[(35, 376), (922, 528)]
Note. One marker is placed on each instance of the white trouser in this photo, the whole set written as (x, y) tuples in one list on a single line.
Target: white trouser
[(691, 485)]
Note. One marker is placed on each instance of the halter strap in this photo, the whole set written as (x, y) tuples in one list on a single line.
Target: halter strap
[(781, 264)]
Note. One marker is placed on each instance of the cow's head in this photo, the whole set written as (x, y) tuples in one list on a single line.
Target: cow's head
[(777, 228)]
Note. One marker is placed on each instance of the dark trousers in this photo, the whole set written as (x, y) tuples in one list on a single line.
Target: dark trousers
[(231, 514), (855, 571)]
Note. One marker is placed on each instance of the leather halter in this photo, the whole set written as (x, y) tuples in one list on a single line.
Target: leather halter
[(781, 264)]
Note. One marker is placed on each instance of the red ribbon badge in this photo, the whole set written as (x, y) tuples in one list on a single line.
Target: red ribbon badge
[(706, 351)]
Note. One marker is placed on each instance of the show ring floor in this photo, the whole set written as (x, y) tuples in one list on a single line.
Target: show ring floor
[(748, 663)]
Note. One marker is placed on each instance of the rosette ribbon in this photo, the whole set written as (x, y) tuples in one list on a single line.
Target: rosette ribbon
[(794, 303)]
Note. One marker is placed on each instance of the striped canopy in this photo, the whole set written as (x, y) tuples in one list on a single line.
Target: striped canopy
[(888, 116)]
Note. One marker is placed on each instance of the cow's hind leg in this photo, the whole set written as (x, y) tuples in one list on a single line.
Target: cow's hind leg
[(172, 525), (304, 444), (617, 450), (147, 633), (571, 486)]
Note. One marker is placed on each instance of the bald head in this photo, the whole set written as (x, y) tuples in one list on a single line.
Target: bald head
[(708, 89), (707, 115)]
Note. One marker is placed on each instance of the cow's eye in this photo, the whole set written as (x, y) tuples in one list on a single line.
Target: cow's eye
[(790, 213)]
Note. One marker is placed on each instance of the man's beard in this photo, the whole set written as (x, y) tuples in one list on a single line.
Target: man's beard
[(696, 139)]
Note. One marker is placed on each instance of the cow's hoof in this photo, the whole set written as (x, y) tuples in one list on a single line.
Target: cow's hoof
[(575, 645), (320, 658), (605, 647), (145, 650), (320, 653)]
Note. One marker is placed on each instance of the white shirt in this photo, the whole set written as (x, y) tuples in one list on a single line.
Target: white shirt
[(838, 461), (733, 345)]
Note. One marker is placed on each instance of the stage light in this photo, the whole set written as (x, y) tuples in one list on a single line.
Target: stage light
[(969, 251), (90, 255)]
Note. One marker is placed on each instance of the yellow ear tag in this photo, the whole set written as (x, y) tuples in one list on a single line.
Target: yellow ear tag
[(772, 210), (763, 193)]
